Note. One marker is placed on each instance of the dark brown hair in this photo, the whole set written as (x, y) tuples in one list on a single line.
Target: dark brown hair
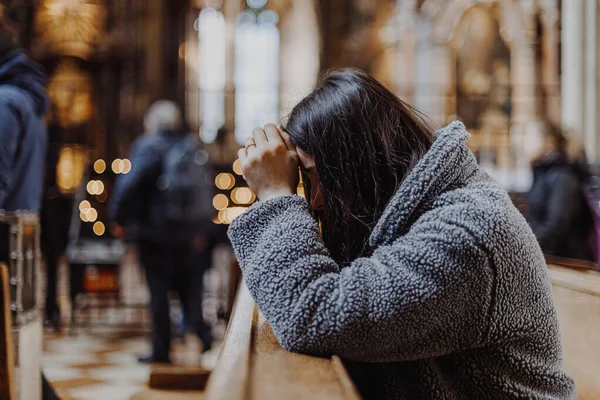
[(365, 141)]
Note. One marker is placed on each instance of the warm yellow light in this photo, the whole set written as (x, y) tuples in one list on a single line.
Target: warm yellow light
[(242, 195), (216, 220), (83, 216), (220, 201), (237, 167), (222, 217), (91, 215), (232, 213), (95, 187), (100, 166), (99, 228), (118, 166), (99, 187), (224, 181), (126, 166), (70, 168), (90, 187), (84, 205)]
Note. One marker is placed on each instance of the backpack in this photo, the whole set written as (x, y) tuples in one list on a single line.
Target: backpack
[(187, 185)]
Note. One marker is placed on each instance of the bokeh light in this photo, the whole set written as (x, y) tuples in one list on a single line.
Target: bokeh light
[(242, 195), (237, 167), (220, 201), (225, 181), (118, 166), (256, 3), (99, 228), (227, 215), (100, 166), (222, 217), (126, 166), (84, 205), (95, 187), (91, 215)]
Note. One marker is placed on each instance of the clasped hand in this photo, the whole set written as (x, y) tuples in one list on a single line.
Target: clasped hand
[(270, 163)]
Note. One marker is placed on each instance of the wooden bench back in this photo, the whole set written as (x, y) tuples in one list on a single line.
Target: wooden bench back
[(7, 361), (577, 298), (252, 364)]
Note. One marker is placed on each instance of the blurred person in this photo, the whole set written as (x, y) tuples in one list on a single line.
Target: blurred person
[(23, 103), (147, 206), (558, 212), (55, 217), (422, 276)]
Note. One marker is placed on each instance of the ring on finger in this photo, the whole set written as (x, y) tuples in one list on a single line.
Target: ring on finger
[(250, 142)]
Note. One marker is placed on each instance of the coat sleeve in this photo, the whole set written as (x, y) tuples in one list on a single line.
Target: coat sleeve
[(145, 164), (9, 139), (427, 294), (561, 209)]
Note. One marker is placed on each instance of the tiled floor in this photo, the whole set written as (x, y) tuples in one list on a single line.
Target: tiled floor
[(103, 365), (99, 363)]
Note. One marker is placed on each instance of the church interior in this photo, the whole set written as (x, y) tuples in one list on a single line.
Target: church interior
[(502, 67)]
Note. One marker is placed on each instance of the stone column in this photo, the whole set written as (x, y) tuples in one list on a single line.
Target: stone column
[(572, 79), (435, 91), (299, 57), (406, 50), (551, 61), (520, 19), (423, 62), (523, 62), (590, 110)]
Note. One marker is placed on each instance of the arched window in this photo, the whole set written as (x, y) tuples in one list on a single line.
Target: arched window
[(256, 69), (212, 72)]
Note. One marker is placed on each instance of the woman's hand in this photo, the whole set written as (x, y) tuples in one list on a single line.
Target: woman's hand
[(270, 163)]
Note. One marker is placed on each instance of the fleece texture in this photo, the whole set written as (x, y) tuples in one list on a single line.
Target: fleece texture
[(454, 303)]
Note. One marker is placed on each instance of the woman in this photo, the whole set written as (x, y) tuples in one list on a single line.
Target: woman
[(558, 211), (426, 280)]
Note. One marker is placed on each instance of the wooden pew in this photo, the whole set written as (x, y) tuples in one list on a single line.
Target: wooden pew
[(577, 298), (252, 364), (7, 360)]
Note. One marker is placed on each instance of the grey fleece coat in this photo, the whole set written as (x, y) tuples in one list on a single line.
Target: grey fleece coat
[(454, 303)]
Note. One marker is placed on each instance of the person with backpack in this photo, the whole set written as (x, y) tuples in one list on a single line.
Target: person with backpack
[(164, 205), (23, 103), (558, 211)]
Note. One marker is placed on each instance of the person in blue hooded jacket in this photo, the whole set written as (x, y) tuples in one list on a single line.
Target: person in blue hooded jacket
[(23, 103), (407, 260)]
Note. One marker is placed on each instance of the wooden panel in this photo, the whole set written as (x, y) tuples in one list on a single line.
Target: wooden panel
[(252, 364), (7, 361), (577, 297)]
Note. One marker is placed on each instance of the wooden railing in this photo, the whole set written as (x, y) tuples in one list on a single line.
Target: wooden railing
[(7, 360), (577, 298), (252, 364)]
